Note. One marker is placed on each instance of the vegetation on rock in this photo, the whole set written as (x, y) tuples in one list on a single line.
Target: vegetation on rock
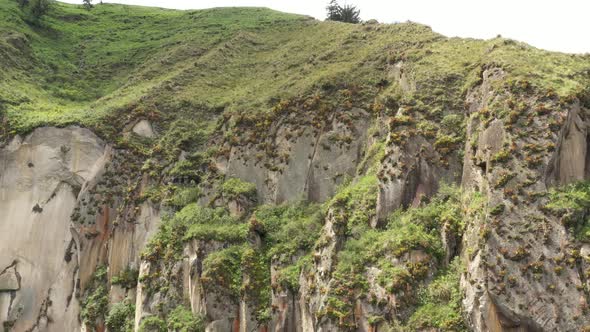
[(121, 317), (95, 302), (223, 89), (572, 204)]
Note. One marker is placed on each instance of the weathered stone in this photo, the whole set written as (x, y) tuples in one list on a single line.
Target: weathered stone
[(40, 240), (531, 292), (144, 129), (9, 280)]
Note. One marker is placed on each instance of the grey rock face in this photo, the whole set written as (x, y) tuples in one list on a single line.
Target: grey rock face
[(39, 179), (516, 277), (47, 257), (316, 164), (571, 161), (9, 279)]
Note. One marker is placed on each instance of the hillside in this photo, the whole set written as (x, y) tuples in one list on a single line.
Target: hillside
[(241, 169)]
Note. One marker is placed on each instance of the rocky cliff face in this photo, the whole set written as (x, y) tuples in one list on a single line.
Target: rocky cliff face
[(522, 259), (72, 207), (383, 179), (48, 181), (42, 175)]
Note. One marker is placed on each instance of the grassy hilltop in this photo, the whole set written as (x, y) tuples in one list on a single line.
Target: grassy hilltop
[(79, 66)]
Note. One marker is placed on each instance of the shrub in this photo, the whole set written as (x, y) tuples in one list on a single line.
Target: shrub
[(95, 303), (153, 324), (36, 8), (290, 228), (223, 269), (234, 188), (184, 196), (87, 4), (358, 199), (127, 278), (288, 277), (498, 209), (182, 319), (211, 224), (502, 156), (121, 317)]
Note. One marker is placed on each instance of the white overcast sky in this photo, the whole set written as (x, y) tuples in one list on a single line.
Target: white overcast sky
[(557, 25)]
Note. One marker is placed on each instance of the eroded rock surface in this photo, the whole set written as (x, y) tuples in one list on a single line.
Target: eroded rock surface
[(40, 178)]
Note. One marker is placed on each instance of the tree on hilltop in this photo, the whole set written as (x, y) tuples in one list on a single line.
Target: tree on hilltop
[(87, 4), (35, 8), (346, 13)]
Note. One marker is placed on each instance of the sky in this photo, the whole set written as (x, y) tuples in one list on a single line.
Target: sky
[(553, 25)]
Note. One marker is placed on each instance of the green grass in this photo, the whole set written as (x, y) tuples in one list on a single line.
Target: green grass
[(572, 204), (78, 66), (440, 303)]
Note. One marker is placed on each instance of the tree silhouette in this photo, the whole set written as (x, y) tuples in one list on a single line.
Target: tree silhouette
[(35, 8), (346, 13), (87, 4)]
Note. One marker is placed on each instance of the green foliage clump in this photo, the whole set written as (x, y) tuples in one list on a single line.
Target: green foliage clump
[(211, 224), (234, 188), (36, 9), (572, 203), (121, 317), (443, 209), (446, 141), (183, 196), (373, 158), (195, 222), (223, 268), (453, 123), (358, 200), (256, 289), (501, 156), (96, 301), (498, 209), (288, 276), (440, 303), (153, 324), (184, 133), (127, 278), (289, 228), (394, 278), (182, 319)]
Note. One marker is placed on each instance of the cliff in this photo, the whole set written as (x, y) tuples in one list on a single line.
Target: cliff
[(242, 169)]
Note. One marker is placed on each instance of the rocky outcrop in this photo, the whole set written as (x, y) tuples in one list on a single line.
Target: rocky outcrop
[(144, 128), (312, 162), (571, 160), (516, 277), (54, 231), (40, 178)]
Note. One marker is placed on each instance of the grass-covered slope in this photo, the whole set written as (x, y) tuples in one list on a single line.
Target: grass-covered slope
[(79, 66)]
